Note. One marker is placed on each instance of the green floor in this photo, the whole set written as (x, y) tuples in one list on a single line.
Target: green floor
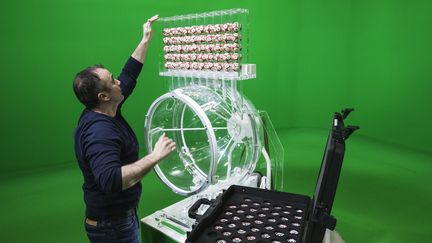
[(383, 195)]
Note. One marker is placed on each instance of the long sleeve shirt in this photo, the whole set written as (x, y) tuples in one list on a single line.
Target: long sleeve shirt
[(103, 144)]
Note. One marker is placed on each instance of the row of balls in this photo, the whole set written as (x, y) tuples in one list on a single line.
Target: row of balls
[(200, 57), (202, 29), (229, 47), (202, 66), (176, 40)]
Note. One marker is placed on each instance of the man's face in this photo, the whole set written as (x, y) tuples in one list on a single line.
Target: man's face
[(114, 92)]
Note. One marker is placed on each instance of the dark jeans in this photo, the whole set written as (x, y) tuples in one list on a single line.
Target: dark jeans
[(124, 230)]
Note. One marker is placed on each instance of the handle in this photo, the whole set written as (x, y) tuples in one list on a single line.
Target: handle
[(192, 210)]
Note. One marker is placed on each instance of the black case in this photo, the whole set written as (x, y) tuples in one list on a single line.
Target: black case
[(245, 214)]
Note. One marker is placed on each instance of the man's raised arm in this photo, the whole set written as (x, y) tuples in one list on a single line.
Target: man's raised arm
[(141, 50)]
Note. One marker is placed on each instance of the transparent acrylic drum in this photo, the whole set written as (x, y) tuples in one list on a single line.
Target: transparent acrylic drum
[(217, 136)]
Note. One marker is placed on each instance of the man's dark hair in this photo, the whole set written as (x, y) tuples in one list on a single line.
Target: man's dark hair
[(87, 84)]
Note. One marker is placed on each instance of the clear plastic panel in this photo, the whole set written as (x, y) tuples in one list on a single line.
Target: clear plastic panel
[(275, 151)]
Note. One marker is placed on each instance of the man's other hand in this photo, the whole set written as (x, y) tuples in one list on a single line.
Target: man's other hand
[(163, 147)]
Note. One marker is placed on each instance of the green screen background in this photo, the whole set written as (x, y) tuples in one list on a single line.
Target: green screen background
[(313, 58)]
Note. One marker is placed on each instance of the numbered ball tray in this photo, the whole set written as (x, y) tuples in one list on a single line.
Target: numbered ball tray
[(245, 214)]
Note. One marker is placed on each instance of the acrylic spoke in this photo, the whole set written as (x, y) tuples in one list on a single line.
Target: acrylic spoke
[(223, 152), (188, 129)]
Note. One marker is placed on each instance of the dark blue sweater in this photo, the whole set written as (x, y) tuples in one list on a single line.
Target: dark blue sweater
[(103, 145)]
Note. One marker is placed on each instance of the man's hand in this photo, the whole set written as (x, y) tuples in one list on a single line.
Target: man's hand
[(163, 147), (132, 173), (141, 50), (147, 30)]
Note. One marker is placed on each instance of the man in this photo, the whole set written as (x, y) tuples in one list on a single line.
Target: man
[(107, 149)]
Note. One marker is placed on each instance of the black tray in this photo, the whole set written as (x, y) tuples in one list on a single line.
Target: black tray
[(245, 214)]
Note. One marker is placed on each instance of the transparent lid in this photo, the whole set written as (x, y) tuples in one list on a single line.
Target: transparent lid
[(217, 137)]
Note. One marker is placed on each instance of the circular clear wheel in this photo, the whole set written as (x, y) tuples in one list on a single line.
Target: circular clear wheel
[(217, 137)]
